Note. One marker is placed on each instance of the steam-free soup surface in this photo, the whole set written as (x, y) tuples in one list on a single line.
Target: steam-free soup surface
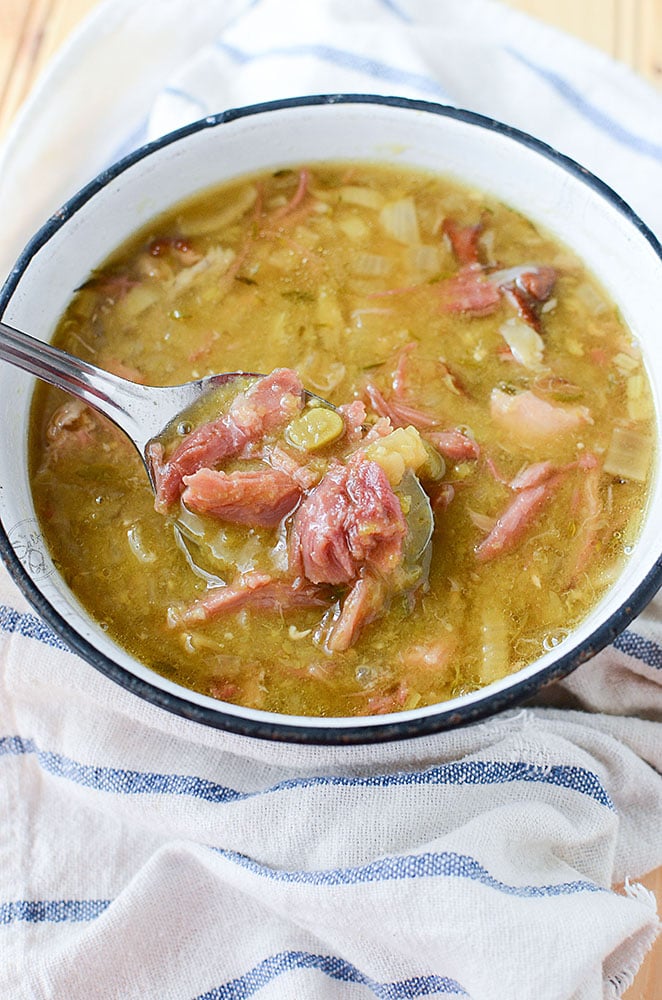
[(412, 303)]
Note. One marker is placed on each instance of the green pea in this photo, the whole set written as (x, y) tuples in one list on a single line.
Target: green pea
[(315, 428)]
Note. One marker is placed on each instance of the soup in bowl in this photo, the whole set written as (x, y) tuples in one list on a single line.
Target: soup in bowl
[(480, 314)]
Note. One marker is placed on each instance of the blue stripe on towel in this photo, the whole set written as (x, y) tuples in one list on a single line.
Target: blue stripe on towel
[(130, 142), (248, 7), (30, 626), (635, 645), (184, 95), (347, 60), (54, 911), (335, 968), (595, 115), (472, 772), (397, 10), (408, 866)]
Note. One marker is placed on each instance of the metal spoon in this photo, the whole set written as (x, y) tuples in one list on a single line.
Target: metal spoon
[(143, 412)]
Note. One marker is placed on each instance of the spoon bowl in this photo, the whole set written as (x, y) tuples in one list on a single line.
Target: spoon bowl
[(145, 412), (142, 412)]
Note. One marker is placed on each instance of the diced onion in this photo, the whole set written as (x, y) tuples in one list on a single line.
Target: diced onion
[(412, 700), (354, 195), (526, 345), (639, 403), (295, 633), (510, 274), (327, 309), (494, 641), (423, 259), (137, 300), (136, 545), (625, 363), (216, 261), (329, 379), (353, 227), (482, 521), (371, 265), (306, 237), (629, 454), (591, 298), (434, 466), (486, 241), (574, 347), (284, 260), (224, 217), (399, 220)]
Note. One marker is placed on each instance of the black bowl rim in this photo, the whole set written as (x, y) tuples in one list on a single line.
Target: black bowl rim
[(346, 735)]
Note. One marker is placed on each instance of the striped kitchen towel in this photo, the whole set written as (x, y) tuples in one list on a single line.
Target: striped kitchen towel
[(144, 857)]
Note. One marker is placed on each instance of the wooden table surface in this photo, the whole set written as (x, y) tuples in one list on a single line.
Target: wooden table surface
[(31, 31)]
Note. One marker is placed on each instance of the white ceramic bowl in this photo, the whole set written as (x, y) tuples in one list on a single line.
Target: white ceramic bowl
[(524, 173)]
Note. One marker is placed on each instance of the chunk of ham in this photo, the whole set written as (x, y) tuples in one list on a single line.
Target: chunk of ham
[(176, 246), (533, 475), (454, 445), (381, 428), (534, 485), (74, 427), (441, 497), (364, 603), (464, 241), (400, 373), (70, 427), (531, 419), (526, 287), (524, 305), (538, 282), (431, 656), (259, 497), (281, 459), (587, 508), (268, 404), (515, 521), (250, 590), (400, 414), (391, 701), (354, 416), (478, 293), (469, 291), (353, 519)]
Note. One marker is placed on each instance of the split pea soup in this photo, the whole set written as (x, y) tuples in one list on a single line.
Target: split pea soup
[(480, 380)]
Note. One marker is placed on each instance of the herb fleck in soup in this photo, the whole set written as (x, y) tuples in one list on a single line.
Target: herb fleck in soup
[(285, 565)]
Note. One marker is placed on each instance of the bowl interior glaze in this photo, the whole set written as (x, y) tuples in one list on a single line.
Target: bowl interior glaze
[(545, 186)]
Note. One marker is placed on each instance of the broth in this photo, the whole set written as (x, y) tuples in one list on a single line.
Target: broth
[(439, 309)]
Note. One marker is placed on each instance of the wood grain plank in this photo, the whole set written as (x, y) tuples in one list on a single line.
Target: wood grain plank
[(13, 17), (65, 15), (648, 981), (649, 54), (627, 31), (23, 66), (591, 20)]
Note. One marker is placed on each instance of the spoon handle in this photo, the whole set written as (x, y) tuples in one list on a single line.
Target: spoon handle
[(107, 393)]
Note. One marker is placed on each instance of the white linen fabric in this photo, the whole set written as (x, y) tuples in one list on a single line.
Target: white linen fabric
[(144, 856)]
